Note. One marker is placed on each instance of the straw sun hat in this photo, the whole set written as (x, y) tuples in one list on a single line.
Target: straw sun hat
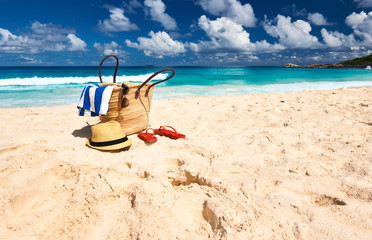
[(108, 136)]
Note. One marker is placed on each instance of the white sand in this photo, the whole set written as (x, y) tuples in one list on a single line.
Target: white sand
[(270, 166)]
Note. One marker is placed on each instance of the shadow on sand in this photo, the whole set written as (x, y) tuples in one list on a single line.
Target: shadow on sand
[(84, 132)]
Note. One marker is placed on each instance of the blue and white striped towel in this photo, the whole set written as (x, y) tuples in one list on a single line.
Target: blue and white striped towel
[(94, 100)]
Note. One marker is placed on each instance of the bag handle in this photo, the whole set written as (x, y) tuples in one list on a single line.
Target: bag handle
[(151, 77), (116, 69)]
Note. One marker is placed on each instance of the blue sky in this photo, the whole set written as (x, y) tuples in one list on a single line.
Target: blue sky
[(183, 32)]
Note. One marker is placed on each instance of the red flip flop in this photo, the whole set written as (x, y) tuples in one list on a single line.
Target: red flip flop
[(146, 136), (165, 132)]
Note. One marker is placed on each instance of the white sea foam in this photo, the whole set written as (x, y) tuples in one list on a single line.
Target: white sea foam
[(64, 96), (78, 80)]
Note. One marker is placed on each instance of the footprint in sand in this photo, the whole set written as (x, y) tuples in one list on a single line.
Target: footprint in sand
[(33, 192), (210, 215), (22, 203), (325, 200), (186, 178), (353, 191)]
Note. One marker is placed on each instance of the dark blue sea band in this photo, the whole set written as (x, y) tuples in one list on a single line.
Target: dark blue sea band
[(108, 143)]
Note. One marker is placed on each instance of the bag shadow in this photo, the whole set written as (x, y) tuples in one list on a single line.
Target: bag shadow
[(84, 132)]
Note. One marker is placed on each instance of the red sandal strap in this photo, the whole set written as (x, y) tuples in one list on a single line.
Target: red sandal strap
[(163, 127)]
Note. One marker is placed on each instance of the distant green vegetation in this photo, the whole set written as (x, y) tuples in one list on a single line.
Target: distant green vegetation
[(363, 61)]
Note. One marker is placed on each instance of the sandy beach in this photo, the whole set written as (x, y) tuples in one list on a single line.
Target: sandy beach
[(264, 166)]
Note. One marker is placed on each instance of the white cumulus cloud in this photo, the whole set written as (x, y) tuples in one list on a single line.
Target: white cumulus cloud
[(159, 44), (363, 3), (76, 44), (50, 32), (11, 43), (292, 34), (227, 36), (6, 36), (354, 19), (156, 9), (361, 23), (224, 34), (42, 38), (132, 5), (30, 59), (337, 39), (317, 19), (109, 48), (233, 9), (117, 22)]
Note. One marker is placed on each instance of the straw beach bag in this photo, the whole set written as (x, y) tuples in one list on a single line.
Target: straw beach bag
[(130, 102)]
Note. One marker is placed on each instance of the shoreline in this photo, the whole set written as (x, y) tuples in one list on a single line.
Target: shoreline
[(196, 96), (63, 88), (255, 166)]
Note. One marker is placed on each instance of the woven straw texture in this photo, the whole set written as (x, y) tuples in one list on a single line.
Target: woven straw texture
[(135, 116)]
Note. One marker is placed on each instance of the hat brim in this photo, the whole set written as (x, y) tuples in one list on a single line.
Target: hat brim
[(112, 147)]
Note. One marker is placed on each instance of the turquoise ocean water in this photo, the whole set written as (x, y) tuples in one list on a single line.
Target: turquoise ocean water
[(48, 86)]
